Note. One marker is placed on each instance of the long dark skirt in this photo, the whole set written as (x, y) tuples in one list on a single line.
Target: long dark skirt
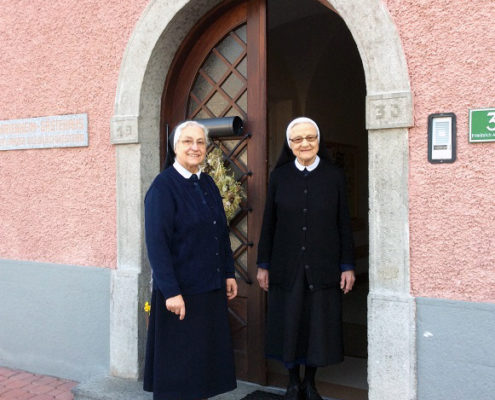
[(304, 326), (193, 358)]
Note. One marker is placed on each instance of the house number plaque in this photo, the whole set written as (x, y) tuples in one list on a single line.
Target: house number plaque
[(125, 129), (389, 110)]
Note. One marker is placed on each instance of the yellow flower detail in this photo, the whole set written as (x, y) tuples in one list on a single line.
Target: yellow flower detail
[(147, 307)]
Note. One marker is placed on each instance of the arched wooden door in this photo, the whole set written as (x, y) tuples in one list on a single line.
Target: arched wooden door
[(220, 70)]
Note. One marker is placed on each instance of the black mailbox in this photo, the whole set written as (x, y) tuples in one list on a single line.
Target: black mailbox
[(222, 127)]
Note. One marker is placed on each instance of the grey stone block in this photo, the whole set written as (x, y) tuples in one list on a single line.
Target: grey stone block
[(54, 319), (456, 349), (111, 388)]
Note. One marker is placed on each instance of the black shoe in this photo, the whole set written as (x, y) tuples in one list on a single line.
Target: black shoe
[(293, 392), (309, 392)]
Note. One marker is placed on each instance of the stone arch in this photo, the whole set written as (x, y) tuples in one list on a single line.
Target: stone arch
[(135, 132)]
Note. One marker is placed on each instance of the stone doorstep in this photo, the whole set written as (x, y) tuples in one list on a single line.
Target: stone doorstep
[(111, 388)]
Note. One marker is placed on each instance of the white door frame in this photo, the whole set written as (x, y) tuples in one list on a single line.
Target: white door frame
[(136, 134)]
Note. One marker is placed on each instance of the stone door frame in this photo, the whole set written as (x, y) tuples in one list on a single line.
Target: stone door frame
[(136, 134)]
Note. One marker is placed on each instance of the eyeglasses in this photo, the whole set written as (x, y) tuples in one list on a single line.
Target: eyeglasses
[(300, 139), (190, 143)]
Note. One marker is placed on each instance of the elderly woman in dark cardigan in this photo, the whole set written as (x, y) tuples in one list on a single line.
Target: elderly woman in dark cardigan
[(305, 258), (189, 352)]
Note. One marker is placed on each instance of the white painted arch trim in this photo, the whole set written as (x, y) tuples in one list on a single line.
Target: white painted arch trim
[(135, 128)]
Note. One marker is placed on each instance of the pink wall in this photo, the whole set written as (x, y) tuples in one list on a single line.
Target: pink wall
[(449, 45), (58, 205), (61, 57)]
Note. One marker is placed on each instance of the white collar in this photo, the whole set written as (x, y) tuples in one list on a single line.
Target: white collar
[(183, 171), (310, 168)]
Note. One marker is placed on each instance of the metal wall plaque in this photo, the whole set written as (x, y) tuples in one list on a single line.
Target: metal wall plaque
[(482, 125), (44, 132)]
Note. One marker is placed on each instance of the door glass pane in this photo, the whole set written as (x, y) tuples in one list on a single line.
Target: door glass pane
[(234, 242), (214, 67), (202, 114), (233, 112), (201, 88), (217, 104), (242, 67), (230, 49), (241, 32), (242, 226), (232, 85), (243, 157), (242, 102), (192, 106)]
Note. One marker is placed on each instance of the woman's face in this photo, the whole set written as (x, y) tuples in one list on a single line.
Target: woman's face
[(307, 149), (190, 150)]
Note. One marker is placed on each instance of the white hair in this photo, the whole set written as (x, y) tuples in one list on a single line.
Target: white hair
[(185, 124), (301, 120)]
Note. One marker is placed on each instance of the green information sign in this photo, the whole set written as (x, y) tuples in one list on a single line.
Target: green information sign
[(482, 125)]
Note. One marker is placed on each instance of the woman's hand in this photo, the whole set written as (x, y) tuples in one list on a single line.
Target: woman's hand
[(263, 278), (177, 306), (347, 279), (231, 286)]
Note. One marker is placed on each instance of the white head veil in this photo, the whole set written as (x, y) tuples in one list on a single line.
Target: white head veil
[(180, 128), (301, 120)]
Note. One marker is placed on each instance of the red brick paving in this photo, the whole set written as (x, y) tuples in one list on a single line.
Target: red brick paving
[(21, 385)]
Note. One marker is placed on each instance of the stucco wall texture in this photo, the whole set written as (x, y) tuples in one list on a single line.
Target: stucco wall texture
[(450, 55), (58, 205), (61, 57)]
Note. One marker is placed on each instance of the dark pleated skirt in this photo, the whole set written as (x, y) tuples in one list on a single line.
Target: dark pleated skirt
[(193, 358), (304, 326)]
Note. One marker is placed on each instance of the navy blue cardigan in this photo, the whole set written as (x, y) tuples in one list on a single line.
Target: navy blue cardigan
[(306, 224), (186, 235)]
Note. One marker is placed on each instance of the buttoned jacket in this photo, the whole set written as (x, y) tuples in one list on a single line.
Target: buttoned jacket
[(187, 236), (306, 224)]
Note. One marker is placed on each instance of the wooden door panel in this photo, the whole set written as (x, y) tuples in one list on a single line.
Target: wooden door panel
[(257, 160), (220, 71)]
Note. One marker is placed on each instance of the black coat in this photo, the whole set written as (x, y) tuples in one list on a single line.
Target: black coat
[(186, 235), (189, 252), (306, 224)]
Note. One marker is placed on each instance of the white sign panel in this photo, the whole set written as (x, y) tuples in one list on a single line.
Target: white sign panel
[(44, 132), (442, 138)]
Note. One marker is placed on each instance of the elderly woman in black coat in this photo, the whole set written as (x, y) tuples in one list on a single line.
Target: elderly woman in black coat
[(189, 352), (305, 258)]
